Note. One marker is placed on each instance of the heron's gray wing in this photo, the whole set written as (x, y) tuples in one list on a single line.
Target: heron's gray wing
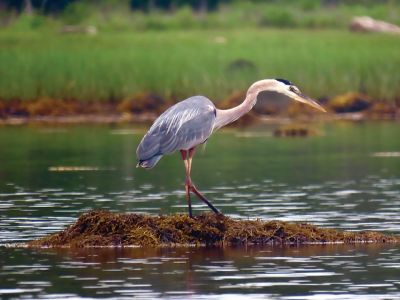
[(182, 126)]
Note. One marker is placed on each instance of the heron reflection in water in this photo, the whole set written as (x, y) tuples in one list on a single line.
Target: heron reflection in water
[(191, 122)]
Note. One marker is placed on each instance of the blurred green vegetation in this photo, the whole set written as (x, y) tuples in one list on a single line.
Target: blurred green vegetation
[(113, 66), (181, 50), (112, 15)]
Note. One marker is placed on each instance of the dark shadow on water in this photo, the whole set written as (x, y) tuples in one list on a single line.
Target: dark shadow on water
[(195, 254)]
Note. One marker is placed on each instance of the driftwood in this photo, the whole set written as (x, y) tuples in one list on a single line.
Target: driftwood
[(368, 24)]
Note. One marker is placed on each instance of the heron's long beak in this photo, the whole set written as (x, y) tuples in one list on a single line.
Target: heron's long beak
[(307, 100)]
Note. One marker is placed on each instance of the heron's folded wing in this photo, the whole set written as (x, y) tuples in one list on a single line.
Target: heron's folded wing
[(182, 126)]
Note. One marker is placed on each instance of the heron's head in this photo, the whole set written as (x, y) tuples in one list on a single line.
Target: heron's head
[(285, 87)]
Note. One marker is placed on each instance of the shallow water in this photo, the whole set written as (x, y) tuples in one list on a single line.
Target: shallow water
[(338, 179)]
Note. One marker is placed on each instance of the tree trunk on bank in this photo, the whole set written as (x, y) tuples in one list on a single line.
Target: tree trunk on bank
[(28, 9)]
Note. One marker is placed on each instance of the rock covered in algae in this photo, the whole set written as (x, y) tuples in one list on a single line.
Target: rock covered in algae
[(103, 228), (295, 130)]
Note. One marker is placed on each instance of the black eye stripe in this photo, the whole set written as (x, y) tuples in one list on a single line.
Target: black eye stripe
[(287, 82)]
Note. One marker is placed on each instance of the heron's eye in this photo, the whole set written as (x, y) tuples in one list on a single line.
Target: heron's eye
[(293, 89)]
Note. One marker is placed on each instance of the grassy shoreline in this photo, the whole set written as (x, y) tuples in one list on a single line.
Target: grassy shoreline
[(176, 64)]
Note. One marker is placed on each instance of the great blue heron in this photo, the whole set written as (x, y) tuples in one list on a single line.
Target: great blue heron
[(190, 123)]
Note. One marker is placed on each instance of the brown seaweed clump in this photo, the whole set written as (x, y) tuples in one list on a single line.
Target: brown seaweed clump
[(143, 102), (103, 228), (295, 130), (349, 103)]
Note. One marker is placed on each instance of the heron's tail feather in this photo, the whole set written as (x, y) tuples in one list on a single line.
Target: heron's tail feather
[(149, 163)]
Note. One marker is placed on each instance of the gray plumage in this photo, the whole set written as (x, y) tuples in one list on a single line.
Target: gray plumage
[(190, 123), (181, 127)]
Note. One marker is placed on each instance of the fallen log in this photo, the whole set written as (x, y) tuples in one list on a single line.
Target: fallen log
[(368, 24)]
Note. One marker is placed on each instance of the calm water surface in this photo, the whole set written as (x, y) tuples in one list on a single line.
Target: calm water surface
[(348, 177)]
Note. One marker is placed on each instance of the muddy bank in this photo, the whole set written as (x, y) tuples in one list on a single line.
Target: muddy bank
[(103, 228), (146, 106), (141, 107)]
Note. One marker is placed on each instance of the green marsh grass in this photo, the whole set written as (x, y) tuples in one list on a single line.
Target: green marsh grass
[(119, 16), (177, 63)]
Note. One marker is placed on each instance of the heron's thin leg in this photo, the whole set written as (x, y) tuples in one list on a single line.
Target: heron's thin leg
[(190, 156), (189, 201), (193, 188), (204, 199), (187, 181)]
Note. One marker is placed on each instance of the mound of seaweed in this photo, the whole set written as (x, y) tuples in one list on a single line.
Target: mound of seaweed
[(103, 228)]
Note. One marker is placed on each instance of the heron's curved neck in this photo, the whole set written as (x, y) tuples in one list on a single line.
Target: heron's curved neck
[(227, 116)]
